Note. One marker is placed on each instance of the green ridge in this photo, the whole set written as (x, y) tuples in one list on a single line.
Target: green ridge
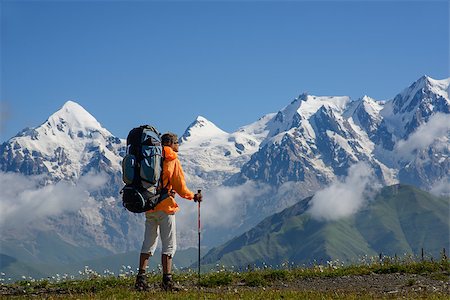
[(400, 220)]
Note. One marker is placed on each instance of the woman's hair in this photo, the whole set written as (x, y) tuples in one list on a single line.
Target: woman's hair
[(169, 138)]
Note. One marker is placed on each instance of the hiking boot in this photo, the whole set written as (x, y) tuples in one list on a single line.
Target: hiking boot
[(169, 285), (141, 283)]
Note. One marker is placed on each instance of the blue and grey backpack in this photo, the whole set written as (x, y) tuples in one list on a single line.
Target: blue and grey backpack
[(142, 170)]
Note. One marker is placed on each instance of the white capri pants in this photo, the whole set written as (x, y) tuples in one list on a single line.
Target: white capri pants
[(167, 230)]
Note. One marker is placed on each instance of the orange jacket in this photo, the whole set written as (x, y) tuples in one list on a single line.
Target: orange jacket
[(173, 179)]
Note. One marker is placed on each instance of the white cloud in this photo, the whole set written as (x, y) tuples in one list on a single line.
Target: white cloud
[(228, 205), (224, 206), (346, 197), (24, 199), (223, 210), (442, 187), (92, 181), (437, 127)]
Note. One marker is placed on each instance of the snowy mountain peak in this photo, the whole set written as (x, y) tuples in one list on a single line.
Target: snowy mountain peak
[(307, 105), (202, 120), (202, 128), (299, 111), (416, 104), (365, 113), (366, 98), (430, 82), (302, 97), (75, 117), (312, 104), (439, 87), (407, 100), (72, 105), (69, 143), (371, 105)]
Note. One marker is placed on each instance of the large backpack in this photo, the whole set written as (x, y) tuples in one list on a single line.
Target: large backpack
[(142, 170)]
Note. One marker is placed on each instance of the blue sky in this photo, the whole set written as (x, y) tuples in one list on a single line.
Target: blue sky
[(165, 63)]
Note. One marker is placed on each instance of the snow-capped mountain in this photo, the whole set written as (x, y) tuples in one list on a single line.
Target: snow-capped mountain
[(288, 155), (69, 144), (316, 138), (419, 120), (416, 104), (312, 140), (210, 155)]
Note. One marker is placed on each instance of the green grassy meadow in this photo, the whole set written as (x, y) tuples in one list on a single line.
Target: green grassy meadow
[(288, 282)]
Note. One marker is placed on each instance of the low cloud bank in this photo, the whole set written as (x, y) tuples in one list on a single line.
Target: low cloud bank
[(24, 199), (437, 127), (228, 205), (223, 206), (345, 197), (223, 210)]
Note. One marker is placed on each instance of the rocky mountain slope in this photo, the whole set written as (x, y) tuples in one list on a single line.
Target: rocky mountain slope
[(315, 139)]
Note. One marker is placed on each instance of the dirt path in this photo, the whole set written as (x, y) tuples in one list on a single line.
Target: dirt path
[(396, 285), (382, 284)]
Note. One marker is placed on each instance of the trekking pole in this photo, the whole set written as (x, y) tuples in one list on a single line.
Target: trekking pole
[(199, 231)]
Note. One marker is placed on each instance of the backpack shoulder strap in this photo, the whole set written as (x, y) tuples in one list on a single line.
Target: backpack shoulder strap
[(163, 188)]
